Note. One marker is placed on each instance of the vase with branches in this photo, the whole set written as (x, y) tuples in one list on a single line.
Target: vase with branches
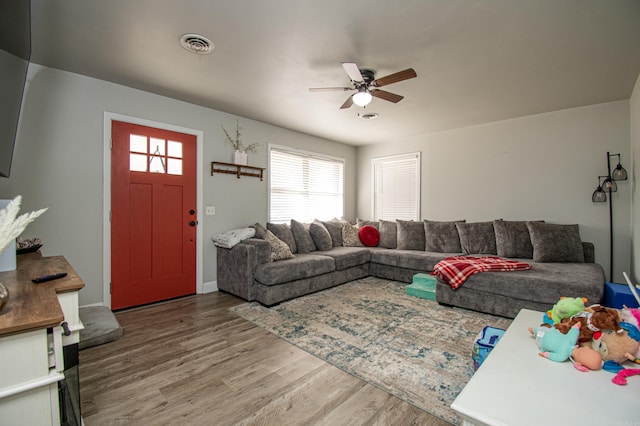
[(238, 146), (11, 226)]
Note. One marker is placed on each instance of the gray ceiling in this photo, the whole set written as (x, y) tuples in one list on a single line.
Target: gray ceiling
[(477, 61)]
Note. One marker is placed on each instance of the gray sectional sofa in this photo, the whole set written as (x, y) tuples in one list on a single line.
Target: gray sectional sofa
[(317, 259)]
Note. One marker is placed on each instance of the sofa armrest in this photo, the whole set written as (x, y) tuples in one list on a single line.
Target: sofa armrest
[(236, 266), (589, 252), (263, 249)]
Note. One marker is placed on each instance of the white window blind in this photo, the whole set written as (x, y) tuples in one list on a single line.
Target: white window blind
[(304, 186), (396, 187)]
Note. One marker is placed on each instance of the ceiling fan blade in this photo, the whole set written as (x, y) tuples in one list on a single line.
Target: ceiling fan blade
[(394, 78), (387, 96), (353, 71), (347, 103), (330, 89)]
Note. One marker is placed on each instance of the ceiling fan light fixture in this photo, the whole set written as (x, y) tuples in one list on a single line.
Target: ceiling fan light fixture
[(362, 98)]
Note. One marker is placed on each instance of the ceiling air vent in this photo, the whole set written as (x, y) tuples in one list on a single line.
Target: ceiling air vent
[(197, 44), (368, 115)]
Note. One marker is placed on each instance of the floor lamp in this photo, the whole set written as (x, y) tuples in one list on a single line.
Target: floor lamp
[(608, 184)]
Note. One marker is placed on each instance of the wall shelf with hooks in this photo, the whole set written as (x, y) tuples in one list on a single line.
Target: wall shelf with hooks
[(236, 169)]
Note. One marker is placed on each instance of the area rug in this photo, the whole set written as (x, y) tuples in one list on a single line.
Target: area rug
[(412, 348)]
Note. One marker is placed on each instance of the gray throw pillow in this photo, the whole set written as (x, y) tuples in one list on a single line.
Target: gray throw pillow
[(320, 235), (283, 232), (279, 249), (388, 234), (304, 242), (512, 238), (362, 223), (261, 232), (410, 235), (556, 243), (334, 227), (477, 238), (442, 237)]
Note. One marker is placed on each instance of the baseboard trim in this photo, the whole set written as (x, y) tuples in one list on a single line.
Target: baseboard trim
[(209, 287), (91, 305)]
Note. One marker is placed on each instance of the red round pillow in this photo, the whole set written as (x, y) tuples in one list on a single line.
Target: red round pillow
[(369, 236)]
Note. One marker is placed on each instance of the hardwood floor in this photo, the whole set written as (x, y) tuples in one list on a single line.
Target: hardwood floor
[(191, 362)]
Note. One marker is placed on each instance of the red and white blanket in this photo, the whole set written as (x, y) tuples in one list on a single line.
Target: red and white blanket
[(455, 270)]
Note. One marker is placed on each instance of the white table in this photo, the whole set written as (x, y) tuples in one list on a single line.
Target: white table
[(515, 386)]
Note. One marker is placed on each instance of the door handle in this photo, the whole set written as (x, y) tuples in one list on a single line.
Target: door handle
[(193, 223)]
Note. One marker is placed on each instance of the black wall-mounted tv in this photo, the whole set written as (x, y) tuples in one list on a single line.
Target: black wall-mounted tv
[(15, 53)]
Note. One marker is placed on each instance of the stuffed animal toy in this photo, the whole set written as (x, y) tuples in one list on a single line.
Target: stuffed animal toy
[(634, 333), (586, 334), (617, 347), (621, 377), (555, 345), (585, 359), (631, 315), (593, 319), (602, 318), (566, 307)]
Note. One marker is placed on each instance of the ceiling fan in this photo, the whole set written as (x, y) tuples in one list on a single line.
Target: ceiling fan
[(364, 82)]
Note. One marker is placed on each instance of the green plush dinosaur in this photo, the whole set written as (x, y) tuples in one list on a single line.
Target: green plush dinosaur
[(566, 308)]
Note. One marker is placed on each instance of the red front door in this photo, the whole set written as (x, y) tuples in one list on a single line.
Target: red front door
[(153, 215)]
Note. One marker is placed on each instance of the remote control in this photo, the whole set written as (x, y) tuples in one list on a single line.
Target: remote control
[(45, 278)]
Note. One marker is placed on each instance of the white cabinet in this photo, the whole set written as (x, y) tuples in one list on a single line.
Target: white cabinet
[(31, 339), (28, 385)]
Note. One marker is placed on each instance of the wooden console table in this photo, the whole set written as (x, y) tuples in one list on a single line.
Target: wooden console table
[(32, 338), (236, 169)]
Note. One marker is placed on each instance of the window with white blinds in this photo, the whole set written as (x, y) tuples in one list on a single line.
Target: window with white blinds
[(304, 186), (396, 187)]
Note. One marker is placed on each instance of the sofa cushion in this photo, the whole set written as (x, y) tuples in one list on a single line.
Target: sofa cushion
[(477, 237), (279, 249), (320, 235), (299, 267), (410, 259), (442, 237), (555, 243), (348, 257), (512, 239), (388, 234), (410, 235), (334, 227), (544, 283), (350, 235), (369, 236), (283, 232), (304, 242)]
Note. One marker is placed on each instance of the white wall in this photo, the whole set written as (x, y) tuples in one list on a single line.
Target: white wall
[(543, 166), (634, 109), (58, 162)]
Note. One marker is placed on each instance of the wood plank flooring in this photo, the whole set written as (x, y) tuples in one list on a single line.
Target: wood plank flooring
[(191, 362)]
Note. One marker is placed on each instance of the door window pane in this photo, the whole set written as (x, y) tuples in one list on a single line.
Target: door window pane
[(138, 143), (174, 166), (137, 163), (175, 149)]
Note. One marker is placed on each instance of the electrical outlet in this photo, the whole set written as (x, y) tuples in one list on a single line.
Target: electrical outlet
[(211, 210)]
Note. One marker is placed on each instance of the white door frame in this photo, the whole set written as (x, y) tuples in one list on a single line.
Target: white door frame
[(106, 227)]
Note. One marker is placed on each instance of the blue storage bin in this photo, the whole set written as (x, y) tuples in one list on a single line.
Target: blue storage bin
[(618, 295), (485, 342)]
